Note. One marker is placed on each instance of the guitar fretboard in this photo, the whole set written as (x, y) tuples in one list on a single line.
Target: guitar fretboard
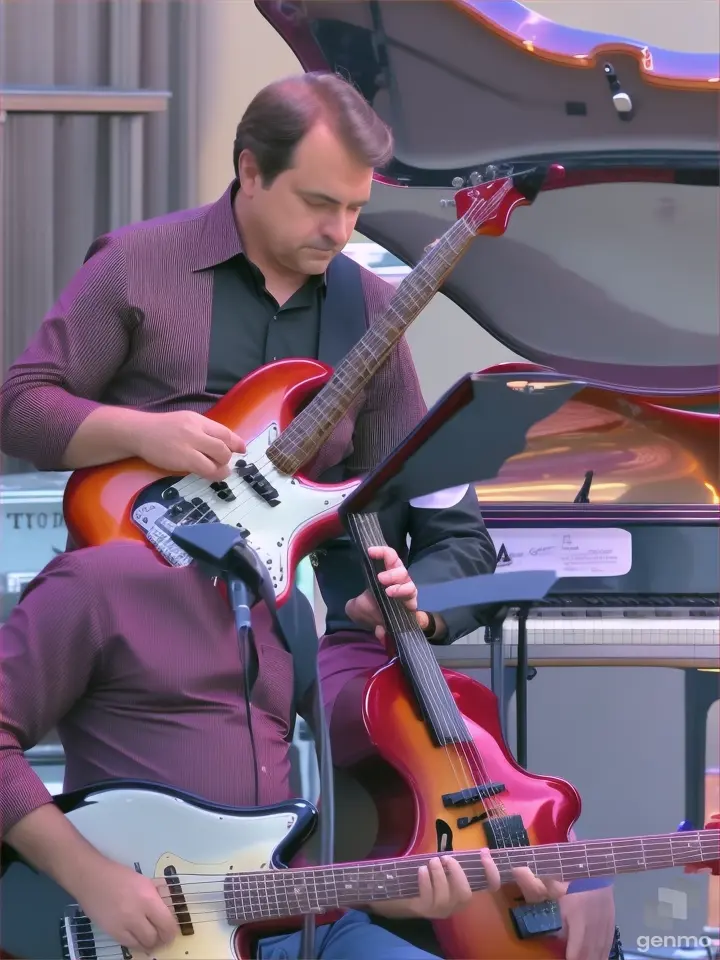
[(284, 893), (301, 440)]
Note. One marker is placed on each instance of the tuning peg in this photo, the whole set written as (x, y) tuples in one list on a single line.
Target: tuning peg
[(447, 203), (457, 182), (496, 171)]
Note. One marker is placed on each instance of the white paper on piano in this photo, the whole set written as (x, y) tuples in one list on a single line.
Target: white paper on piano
[(570, 552)]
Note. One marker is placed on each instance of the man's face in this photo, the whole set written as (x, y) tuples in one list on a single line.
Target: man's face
[(309, 212)]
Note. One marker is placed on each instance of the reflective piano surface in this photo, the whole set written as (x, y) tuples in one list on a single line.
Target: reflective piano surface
[(638, 556)]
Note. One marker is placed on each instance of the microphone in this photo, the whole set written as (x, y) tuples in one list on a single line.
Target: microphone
[(224, 550), (240, 602)]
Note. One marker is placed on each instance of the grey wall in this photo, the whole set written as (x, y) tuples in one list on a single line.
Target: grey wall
[(66, 179)]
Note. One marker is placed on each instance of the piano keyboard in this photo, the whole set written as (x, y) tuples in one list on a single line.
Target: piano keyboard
[(605, 631)]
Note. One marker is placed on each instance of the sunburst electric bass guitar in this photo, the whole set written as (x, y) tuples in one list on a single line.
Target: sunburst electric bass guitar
[(281, 513), (227, 881)]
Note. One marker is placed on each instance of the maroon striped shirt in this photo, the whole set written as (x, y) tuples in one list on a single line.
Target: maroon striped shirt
[(133, 329), (136, 663)]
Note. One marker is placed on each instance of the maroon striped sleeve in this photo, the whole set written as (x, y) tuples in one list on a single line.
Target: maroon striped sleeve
[(394, 402), (56, 382), (48, 649)]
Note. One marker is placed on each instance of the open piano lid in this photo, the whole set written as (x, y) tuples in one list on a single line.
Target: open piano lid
[(613, 277)]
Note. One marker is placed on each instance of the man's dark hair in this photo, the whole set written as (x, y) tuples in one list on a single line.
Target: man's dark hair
[(281, 114)]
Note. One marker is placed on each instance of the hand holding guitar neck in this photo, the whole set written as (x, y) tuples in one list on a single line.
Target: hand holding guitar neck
[(394, 578)]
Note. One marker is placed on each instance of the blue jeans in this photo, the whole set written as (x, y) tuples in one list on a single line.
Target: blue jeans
[(352, 937)]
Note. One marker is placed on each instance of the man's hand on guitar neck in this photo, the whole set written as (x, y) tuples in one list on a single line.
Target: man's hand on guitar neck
[(182, 442), (445, 890), (398, 585)]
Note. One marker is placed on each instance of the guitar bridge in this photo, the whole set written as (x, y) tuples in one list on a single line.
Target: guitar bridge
[(77, 937)]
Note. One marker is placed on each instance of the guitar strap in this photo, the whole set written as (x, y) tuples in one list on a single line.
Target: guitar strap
[(343, 321), (343, 318)]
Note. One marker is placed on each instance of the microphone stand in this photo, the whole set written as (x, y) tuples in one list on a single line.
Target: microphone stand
[(223, 551)]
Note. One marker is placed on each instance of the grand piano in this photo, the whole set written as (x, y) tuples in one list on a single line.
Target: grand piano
[(610, 279)]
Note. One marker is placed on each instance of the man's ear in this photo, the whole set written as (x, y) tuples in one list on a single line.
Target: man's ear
[(249, 173)]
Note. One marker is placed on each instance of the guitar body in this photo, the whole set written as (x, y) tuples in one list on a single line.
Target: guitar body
[(411, 809), (153, 830), (124, 500)]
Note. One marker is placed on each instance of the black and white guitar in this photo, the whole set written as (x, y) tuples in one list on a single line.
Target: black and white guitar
[(226, 870)]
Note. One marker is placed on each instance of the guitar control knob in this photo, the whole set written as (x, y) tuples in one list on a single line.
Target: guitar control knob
[(475, 178), (448, 203), (457, 182)]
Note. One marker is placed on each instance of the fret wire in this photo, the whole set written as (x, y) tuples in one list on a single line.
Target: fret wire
[(408, 290), (361, 882), (309, 429)]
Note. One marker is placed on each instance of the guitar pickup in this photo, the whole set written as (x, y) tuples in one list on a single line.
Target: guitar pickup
[(536, 919), (203, 512), (252, 476), (178, 901), (472, 794), (222, 490)]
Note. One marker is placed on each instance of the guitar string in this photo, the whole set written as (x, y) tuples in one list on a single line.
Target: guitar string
[(401, 867), (488, 208), (403, 871), (464, 747), (391, 610), (654, 850), (424, 658)]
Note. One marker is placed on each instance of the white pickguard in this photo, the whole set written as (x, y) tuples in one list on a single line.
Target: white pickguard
[(153, 830), (271, 529)]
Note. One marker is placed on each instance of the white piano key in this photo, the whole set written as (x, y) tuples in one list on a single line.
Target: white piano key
[(681, 641)]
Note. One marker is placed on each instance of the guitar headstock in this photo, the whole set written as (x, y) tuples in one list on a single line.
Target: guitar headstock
[(491, 197)]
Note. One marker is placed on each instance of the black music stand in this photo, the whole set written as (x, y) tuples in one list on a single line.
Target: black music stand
[(465, 438)]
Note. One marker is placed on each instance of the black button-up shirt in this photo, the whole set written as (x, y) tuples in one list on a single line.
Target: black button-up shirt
[(250, 329)]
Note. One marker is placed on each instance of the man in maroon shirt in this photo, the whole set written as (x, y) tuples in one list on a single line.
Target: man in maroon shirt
[(137, 663)]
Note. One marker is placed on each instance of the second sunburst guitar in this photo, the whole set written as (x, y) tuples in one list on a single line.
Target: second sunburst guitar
[(283, 515)]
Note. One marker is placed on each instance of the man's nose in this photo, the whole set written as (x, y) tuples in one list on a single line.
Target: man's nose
[(336, 230)]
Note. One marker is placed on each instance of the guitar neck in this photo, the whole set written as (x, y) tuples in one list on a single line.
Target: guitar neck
[(308, 431), (440, 712), (268, 894)]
